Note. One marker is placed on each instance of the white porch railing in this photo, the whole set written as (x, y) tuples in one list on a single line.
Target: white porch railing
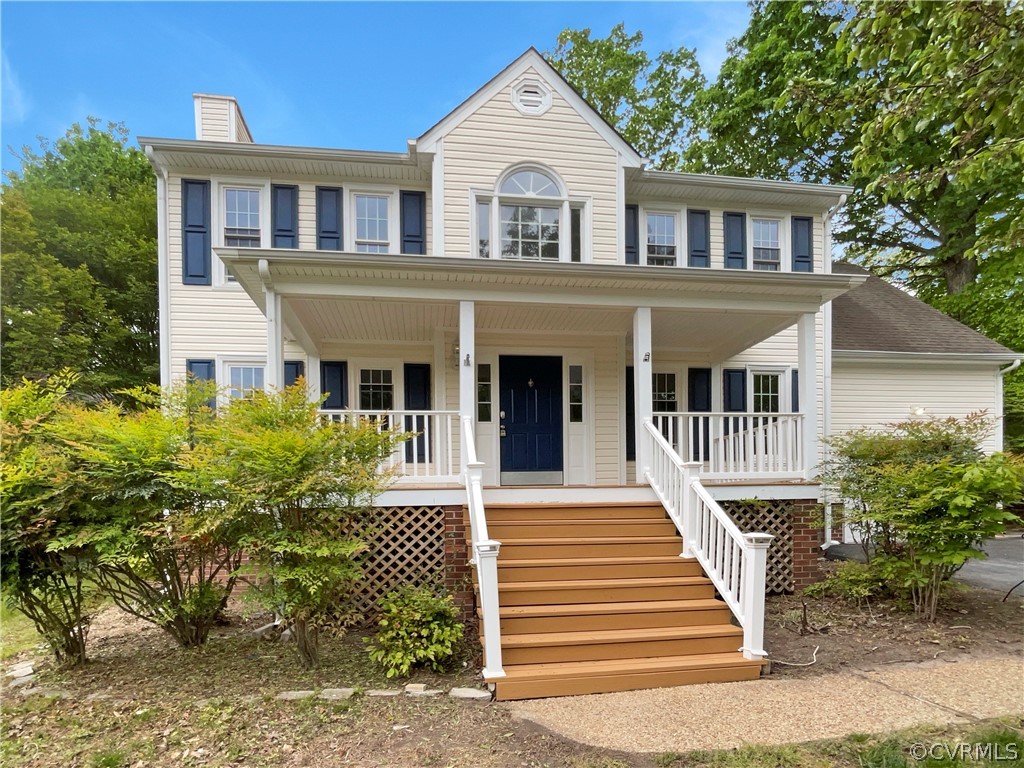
[(730, 445), (734, 561), (485, 555), (428, 455)]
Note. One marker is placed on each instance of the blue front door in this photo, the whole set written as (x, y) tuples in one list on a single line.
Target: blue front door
[(530, 419)]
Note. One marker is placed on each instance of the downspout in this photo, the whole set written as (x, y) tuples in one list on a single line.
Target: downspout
[(1010, 368), (162, 272), (826, 406)]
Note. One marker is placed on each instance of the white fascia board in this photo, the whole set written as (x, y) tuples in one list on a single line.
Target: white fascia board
[(740, 182), (945, 358), (532, 58), (276, 151)]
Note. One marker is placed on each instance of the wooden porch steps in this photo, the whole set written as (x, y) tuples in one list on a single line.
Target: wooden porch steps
[(595, 598)]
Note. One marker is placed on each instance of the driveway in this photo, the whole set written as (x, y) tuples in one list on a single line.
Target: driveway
[(1003, 567), (1000, 571)]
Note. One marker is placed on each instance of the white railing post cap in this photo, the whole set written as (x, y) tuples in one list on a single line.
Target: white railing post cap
[(759, 540), (487, 548), (693, 465)]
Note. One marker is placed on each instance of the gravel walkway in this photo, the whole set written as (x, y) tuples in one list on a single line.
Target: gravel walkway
[(780, 711)]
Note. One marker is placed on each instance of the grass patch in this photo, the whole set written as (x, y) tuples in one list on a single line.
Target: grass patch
[(17, 633)]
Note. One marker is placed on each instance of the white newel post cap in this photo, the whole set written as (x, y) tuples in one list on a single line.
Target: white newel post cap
[(758, 540)]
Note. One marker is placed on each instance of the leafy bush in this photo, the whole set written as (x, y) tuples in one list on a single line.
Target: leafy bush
[(418, 627), (851, 581), (923, 495), (41, 503), (301, 486), (165, 550)]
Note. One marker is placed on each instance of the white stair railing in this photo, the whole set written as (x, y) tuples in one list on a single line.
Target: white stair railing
[(485, 555), (736, 562)]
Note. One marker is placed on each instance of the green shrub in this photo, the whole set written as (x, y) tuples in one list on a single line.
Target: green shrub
[(418, 627), (851, 581)]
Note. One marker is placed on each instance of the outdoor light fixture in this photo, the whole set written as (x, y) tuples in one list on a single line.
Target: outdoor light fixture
[(647, 357)]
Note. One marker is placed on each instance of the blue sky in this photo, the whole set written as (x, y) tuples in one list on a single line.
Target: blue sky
[(353, 75)]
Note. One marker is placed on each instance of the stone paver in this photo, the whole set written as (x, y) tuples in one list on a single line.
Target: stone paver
[(415, 687), (336, 694), (19, 682), (471, 694), (380, 692), (780, 711), (21, 669)]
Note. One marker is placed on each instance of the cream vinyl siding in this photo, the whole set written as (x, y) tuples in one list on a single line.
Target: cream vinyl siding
[(608, 380), (307, 212), (497, 135), (866, 394)]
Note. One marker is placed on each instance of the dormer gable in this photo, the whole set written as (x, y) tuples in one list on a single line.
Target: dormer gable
[(531, 83)]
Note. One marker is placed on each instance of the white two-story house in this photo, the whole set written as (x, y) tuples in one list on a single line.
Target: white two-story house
[(596, 361)]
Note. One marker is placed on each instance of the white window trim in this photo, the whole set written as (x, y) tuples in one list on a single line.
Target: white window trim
[(223, 363), (358, 364), (218, 212), (785, 386), (394, 226), (785, 225), (679, 215)]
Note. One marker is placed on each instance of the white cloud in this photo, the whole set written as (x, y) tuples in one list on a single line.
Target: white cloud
[(16, 105)]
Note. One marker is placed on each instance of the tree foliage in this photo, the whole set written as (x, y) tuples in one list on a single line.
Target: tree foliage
[(649, 101), (79, 261)]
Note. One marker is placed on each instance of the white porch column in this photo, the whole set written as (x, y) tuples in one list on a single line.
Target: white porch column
[(643, 385), (274, 377), (467, 368), (807, 363)]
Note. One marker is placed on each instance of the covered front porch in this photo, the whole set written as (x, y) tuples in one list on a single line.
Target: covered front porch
[(555, 369)]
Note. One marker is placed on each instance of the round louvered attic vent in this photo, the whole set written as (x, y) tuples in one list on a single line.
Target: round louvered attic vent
[(531, 97)]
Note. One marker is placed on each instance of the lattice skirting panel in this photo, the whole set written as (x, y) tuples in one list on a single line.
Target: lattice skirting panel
[(774, 517), (407, 547)]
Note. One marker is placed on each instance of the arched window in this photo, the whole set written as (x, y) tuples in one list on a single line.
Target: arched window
[(533, 218)]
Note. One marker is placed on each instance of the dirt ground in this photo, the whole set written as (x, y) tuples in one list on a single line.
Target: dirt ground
[(142, 701)]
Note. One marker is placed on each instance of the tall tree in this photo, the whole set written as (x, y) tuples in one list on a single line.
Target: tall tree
[(649, 101), (79, 261)]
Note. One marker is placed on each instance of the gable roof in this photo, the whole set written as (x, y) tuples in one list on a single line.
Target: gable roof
[(532, 58), (877, 316)]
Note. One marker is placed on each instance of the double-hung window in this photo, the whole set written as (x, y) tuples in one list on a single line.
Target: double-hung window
[(372, 223), (766, 390), (661, 239), (376, 389), (767, 243), (242, 217), (243, 379)]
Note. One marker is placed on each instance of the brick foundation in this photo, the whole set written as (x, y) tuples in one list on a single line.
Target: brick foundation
[(458, 573), (808, 537)]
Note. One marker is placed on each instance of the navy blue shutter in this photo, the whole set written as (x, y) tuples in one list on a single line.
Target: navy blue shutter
[(203, 370), (796, 391), (632, 234), (195, 232), (328, 219), (417, 398), (699, 389), (803, 249), (414, 222), (698, 396), (630, 415), (734, 389), (735, 240), (698, 236), (293, 371), (284, 215), (334, 384)]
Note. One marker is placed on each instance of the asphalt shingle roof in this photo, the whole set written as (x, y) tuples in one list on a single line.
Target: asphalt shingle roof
[(879, 317)]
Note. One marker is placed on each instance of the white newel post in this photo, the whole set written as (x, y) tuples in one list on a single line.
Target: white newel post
[(485, 558), (690, 504), (755, 564), (807, 362), (643, 385), (274, 378), (467, 368)]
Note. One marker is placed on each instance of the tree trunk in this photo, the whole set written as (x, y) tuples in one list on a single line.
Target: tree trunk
[(307, 641)]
